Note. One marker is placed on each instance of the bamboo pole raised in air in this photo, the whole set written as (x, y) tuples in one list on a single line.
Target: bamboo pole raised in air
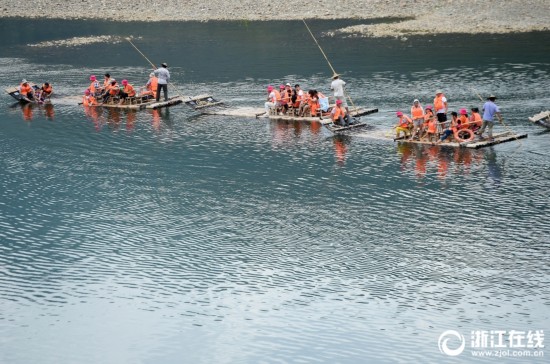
[(329, 64)]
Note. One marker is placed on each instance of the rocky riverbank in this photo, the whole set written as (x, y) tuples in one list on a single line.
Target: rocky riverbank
[(419, 17)]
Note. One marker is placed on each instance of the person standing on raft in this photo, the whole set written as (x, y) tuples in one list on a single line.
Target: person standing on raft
[(163, 79), (337, 86), (441, 108), (417, 114), (490, 109)]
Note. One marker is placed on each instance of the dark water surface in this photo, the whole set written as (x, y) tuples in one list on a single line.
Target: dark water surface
[(170, 237)]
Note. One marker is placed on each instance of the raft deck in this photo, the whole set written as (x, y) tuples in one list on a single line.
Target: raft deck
[(141, 103), (474, 144), (201, 102), (255, 112), (542, 118)]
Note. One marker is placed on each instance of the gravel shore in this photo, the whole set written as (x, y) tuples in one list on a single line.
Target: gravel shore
[(419, 16)]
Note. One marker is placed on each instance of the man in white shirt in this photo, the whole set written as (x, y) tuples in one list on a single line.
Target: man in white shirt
[(163, 79), (337, 86)]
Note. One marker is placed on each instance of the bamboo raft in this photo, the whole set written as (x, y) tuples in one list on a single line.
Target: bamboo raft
[(251, 112), (322, 119), (14, 92), (474, 144), (542, 118), (140, 103)]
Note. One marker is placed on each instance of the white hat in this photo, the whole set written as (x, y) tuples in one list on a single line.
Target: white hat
[(151, 74), (416, 100), (288, 84), (438, 92), (23, 81)]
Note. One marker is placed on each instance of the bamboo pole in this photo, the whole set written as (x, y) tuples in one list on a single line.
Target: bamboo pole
[(329, 64), (153, 65)]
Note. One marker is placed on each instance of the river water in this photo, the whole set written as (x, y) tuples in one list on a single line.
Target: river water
[(171, 237)]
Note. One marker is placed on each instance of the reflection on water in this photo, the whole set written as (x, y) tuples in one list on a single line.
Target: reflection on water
[(494, 175), (341, 144), (444, 162), (114, 119), (31, 111), (448, 163)]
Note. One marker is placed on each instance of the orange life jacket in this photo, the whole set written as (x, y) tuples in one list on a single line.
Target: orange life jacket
[(47, 89), (25, 89), (313, 105), (463, 122), (277, 95), (438, 102), (113, 89), (94, 85), (285, 96), (154, 84), (88, 100), (404, 121), (129, 89), (338, 111), (417, 112), (427, 116), (454, 124), (432, 126), (476, 118)]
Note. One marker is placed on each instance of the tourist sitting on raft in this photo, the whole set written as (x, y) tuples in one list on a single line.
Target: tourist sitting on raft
[(127, 92), (475, 119), (293, 101), (286, 96), (273, 97), (340, 115), (88, 99), (459, 128), (150, 89), (297, 97), (403, 125), (451, 128), (95, 87), (111, 91), (45, 92), (311, 106), (26, 90), (305, 106), (430, 125)]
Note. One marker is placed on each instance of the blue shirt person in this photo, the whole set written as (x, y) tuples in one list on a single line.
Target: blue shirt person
[(490, 109)]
